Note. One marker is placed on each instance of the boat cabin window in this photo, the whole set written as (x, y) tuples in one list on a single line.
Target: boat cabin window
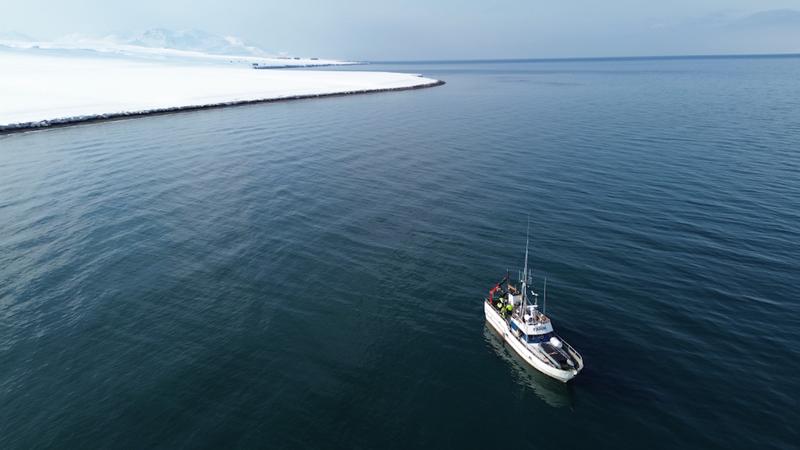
[(538, 338)]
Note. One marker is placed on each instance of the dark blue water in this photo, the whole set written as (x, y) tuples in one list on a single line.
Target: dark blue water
[(309, 274)]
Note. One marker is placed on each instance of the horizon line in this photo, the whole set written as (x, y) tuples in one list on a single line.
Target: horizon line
[(588, 58)]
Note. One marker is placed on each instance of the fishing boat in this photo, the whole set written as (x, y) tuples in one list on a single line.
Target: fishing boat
[(512, 310)]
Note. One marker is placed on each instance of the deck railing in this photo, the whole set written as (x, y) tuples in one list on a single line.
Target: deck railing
[(573, 353)]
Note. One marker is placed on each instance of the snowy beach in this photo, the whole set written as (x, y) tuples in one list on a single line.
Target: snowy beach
[(40, 87)]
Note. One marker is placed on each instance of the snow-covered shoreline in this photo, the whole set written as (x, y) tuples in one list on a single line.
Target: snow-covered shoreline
[(39, 91), (75, 120)]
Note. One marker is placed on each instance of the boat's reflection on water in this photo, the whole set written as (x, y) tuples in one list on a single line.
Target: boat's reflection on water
[(553, 392)]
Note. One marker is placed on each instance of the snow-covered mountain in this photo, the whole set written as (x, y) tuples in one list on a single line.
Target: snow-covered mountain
[(162, 45), (191, 40), (15, 36), (162, 38), (157, 38)]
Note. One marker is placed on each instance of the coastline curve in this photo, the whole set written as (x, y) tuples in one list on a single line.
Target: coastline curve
[(108, 117)]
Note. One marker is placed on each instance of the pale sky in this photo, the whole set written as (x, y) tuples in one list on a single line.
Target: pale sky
[(444, 29)]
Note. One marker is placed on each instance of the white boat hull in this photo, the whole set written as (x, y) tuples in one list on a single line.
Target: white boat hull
[(501, 327)]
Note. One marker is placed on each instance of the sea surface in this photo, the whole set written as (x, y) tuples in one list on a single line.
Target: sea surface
[(309, 274)]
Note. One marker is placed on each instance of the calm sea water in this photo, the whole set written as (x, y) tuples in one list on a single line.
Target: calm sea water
[(310, 274)]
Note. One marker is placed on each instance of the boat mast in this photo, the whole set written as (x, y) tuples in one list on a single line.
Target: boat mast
[(527, 240), (525, 272), (544, 302)]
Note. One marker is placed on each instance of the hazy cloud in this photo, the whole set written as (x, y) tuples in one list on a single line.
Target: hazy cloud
[(421, 29)]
